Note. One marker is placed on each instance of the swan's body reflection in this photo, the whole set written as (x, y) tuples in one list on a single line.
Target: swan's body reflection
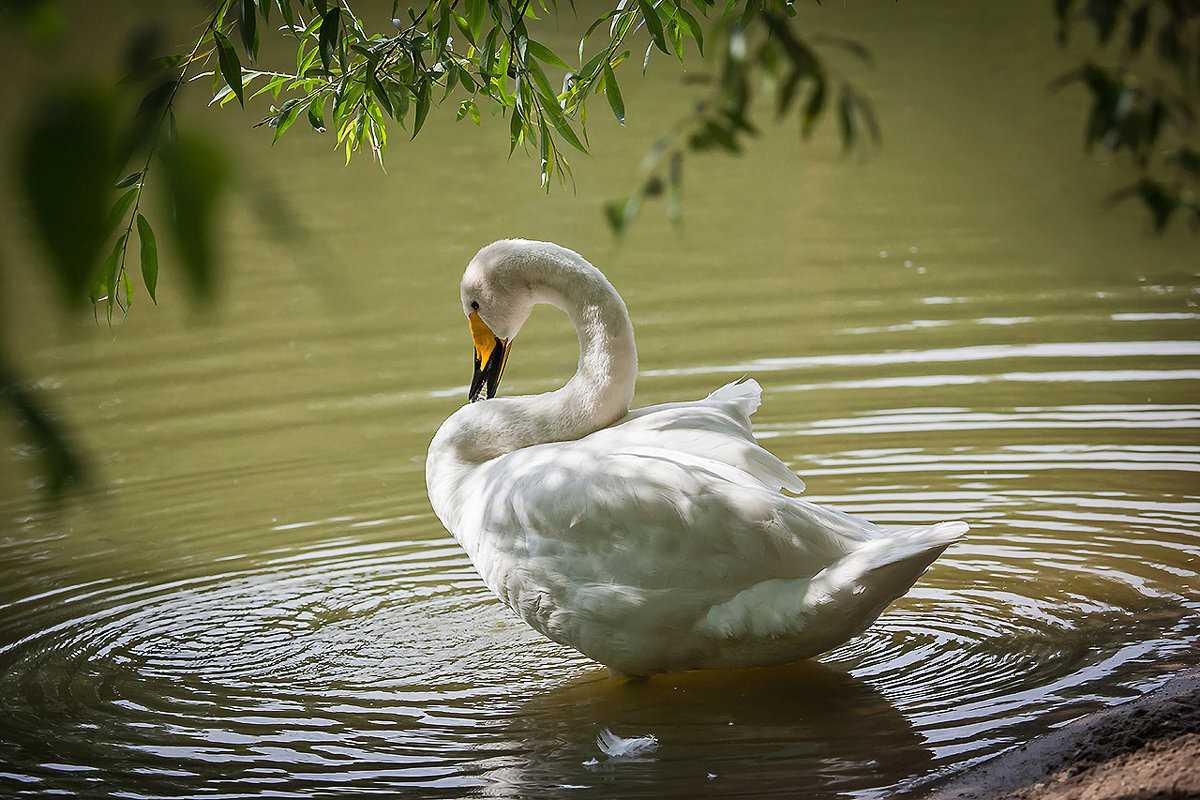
[(728, 734)]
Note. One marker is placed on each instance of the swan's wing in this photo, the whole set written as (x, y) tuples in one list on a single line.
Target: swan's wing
[(591, 545), (717, 428)]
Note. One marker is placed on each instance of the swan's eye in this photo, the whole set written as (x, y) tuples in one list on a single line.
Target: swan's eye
[(475, 305)]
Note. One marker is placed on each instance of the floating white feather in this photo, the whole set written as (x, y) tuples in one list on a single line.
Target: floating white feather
[(616, 747)]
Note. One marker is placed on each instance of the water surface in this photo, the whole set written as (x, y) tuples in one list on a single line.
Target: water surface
[(258, 601)]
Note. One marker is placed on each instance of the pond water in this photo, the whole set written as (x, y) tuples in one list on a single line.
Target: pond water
[(256, 599)]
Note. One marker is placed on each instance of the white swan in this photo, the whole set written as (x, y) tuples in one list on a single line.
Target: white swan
[(656, 540)]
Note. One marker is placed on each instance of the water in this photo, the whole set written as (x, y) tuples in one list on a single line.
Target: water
[(256, 600)]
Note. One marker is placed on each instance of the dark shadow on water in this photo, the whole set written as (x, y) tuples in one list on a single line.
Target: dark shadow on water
[(802, 730)]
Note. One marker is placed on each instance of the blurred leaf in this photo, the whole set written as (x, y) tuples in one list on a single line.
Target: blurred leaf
[(62, 465), (1167, 43), (786, 92), (675, 187), (1139, 21), (867, 112), (66, 172), (813, 108), (149, 256), (614, 213), (196, 176), (849, 45), (1103, 14), (231, 67), (847, 118)]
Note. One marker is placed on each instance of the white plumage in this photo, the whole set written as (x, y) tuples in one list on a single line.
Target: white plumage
[(656, 540)]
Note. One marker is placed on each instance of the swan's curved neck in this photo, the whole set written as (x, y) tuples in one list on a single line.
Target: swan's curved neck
[(600, 391), (596, 396)]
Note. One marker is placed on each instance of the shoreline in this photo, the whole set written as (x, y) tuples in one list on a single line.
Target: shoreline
[(1147, 748)]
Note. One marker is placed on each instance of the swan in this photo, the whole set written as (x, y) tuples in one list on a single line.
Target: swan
[(661, 539)]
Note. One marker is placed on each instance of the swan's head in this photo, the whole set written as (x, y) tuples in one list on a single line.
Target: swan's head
[(498, 293)]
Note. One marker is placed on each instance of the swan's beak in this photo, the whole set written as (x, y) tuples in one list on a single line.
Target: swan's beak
[(491, 353)]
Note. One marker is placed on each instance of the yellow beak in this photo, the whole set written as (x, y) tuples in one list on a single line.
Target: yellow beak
[(491, 354)]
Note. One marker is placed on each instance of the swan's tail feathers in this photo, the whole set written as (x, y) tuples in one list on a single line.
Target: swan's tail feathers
[(744, 394), (904, 543), (807, 616), (869, 579)]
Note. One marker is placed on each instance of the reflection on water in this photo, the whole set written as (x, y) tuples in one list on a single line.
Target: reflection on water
[(259, 602), (749, 732)]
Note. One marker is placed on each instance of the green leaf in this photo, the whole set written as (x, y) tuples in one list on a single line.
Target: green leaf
[(562, 126), (654, 25), (247, 23), (673, 33), (285, 9), (287, 115), (149, 256), (231, 67), (106, 277), (196, 175), (487, 55), (693, 28), (545, 54), (476, 9), (543, 83), (468, 108), (544, 145), (381, 95), (422, 107), (327, 43), (316, 114), (120, 209), (515, 128), (594, 25), (613, 91), (128, 180)]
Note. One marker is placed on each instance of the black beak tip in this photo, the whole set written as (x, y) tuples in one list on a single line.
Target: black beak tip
[(486, 378)]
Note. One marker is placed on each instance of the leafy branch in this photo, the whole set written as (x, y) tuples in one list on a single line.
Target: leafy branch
[(358, 81), (1143, 101)]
